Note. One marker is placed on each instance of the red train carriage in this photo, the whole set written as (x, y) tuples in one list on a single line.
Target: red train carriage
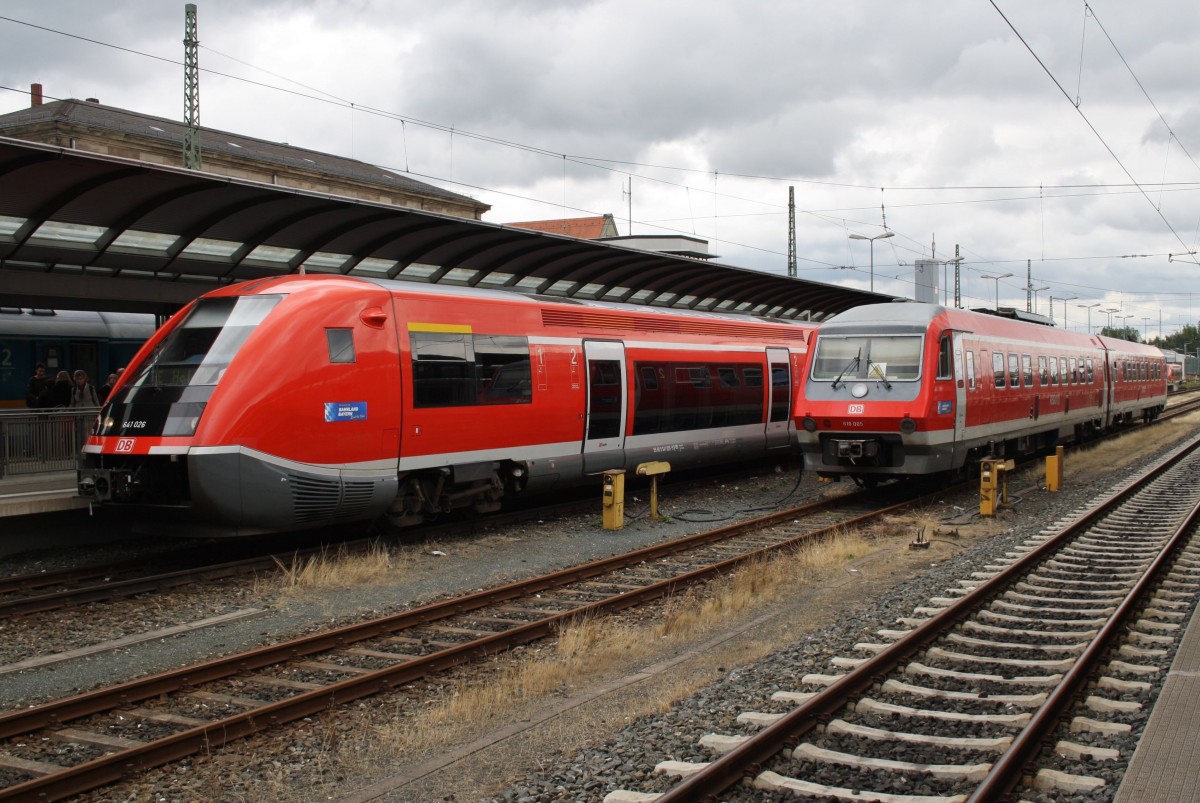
[(292, 402), (911, 389)]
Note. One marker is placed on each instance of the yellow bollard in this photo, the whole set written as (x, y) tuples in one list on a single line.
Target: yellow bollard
[(614, 499), (652, 470), (993, 485), (1054, 470)]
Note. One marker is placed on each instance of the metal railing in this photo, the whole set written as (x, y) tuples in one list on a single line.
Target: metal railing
[(43, 441)]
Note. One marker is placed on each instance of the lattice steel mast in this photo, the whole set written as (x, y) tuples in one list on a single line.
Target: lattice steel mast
[(191, 89), (792, 232)]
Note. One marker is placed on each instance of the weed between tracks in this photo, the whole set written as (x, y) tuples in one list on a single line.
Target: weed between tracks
[(339, 568)]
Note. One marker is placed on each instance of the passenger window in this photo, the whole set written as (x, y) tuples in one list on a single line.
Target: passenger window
[(1027, 369), (1043, 372), (341, 345), (753, 377), (452, 369), (1062, 371), (728, 377), (970, 370), (649, 380), (1014, 377), (502, 369), (1091, 376), (998, 368), (1074, 372)]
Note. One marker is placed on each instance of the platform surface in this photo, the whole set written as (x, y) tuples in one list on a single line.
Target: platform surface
[(23, 495), (1166, 765)]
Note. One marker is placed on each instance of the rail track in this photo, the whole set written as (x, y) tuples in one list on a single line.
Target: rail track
[(269, 686), (1057, 646)]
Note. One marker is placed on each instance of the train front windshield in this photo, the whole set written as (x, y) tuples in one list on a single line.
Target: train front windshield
[(167, 392), (865, 357)]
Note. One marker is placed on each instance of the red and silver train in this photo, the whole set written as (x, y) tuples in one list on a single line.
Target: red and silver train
[(298, 401), (905, 389)]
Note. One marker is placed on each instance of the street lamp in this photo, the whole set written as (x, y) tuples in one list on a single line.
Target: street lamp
[(1064, 301), (1088, 307), (1035, 290), (1125, 326), (1110, 311), (996, 279), (872, 240)]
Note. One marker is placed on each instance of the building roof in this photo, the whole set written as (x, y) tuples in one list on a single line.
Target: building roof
[(96, 116), (585, 228)]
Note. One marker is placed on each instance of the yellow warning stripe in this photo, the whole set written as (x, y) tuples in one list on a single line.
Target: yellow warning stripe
[(459, 328)]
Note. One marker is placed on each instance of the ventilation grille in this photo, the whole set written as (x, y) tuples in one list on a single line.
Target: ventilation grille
[(632, 322), (319, 500)]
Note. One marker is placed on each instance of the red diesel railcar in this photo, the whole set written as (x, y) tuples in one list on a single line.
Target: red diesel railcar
[(297, 401), (907, 389)]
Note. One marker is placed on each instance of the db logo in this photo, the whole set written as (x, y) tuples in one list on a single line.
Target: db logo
[(855, 409), (125, 445)]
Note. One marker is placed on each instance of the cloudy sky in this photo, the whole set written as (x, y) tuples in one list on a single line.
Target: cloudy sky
[(1058, 141)]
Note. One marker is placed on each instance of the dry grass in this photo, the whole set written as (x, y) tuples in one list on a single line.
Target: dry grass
[(591, 648), (338, 569), (1119, 452)]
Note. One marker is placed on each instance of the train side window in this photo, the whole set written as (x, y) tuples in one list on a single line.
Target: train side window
[(649, 380), (728, 377), (998, 368), (1027, 369), (945, 359), (1014, 375), (695, 375), (1053, 371), (970, 370), (502, 369), (341, 345), (1074, 372), (1091, 374), (781, 395), (753, 377), (1062, 371), (443, 369), (1043, 372)]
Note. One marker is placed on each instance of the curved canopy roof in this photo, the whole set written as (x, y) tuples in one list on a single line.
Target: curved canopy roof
[(81, 230)]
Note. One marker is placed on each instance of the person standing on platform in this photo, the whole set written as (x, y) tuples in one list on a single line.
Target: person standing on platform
[(57, 394), (83, 394), (36, 386)]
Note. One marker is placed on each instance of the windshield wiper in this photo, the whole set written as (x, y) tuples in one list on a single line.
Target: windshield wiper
[(879, 375), (852, 364)]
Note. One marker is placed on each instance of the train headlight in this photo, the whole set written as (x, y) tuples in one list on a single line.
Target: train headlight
[(907, 425), (809, 424)]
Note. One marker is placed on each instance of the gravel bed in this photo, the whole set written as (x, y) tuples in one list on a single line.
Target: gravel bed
[(626, 760)]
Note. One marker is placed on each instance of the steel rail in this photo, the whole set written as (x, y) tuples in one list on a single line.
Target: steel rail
[(748, 758), (112, 767)]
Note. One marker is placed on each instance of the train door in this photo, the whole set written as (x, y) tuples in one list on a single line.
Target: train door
[(960, 399), (85, 355), (604, 433), (779, 411)]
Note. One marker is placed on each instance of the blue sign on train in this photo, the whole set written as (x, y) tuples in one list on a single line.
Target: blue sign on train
[(345, 411), (945, 407)]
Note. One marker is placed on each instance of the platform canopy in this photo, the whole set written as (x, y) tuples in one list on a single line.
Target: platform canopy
[(86, 231)]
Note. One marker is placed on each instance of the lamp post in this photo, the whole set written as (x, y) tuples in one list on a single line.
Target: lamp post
[(1035, 292), (996, 279), (1064, 301), (1088, 307), (872, 240), (1125, 326), (1110, 311), (1145, 329)]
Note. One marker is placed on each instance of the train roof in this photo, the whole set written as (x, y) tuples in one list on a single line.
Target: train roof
[(26, 322), (295, 283)]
